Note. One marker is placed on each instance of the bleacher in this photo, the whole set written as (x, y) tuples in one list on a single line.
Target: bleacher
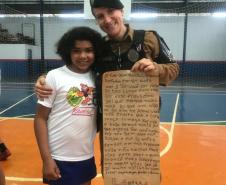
[(19, 38)]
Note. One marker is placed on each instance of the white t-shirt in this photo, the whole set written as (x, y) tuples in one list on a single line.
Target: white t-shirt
[(72, 120)]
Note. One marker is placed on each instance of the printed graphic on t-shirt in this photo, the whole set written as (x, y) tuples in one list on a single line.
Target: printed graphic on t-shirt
[(81, 99)]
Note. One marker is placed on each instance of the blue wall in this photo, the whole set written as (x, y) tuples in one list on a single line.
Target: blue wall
[(25, 70), (195, 73)]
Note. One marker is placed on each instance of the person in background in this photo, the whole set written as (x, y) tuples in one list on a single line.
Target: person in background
[(4, 151), (2, 176), (65, 122)]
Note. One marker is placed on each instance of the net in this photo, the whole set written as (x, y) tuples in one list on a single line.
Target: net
[(19, 46), (194, 31)]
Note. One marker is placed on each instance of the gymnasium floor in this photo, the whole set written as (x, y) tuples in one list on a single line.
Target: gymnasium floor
[(192, 135)]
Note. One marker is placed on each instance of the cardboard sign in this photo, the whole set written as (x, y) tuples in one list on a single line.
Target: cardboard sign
[(131, 129)]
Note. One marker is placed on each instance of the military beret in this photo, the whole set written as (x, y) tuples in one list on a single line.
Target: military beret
[(116, 4)]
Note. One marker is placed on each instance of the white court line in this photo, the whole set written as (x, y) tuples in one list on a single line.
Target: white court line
[(16, 103), (207, 94), (168, 134), (22, 179), (215, 93), (170, 142), (203, 123)]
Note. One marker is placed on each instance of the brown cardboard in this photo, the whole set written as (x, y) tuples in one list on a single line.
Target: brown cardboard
[(131, 129)]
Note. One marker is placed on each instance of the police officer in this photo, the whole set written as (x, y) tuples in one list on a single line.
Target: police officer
[(126, 48)]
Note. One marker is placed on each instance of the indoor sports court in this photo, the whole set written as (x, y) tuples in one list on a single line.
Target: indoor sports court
[(192, 116)]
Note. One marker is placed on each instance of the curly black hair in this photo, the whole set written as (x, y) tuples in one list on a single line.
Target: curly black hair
[(67, 41)]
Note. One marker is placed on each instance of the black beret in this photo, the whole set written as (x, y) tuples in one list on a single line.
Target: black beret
[(116, 4)]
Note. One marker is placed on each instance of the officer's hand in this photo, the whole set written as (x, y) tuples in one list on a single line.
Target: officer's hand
[(148, 66), (41, 90)]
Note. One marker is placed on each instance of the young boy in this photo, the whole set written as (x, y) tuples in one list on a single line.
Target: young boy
[(65, 123)]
